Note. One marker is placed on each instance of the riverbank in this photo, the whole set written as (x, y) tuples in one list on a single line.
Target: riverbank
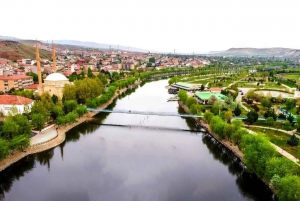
[(60, 138), (229, 145)]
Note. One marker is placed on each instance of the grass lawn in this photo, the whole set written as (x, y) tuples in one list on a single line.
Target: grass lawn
[(280, 139), (292, 76), (277, 124)]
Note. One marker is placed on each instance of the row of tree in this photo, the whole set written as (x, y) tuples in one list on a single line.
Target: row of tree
[(104, 98), (260, 157)]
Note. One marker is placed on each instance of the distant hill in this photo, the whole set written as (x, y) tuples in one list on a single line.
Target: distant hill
[(98, 45), (262, 52), (14, 50)]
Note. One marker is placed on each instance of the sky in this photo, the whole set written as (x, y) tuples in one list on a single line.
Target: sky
[(158, 25)]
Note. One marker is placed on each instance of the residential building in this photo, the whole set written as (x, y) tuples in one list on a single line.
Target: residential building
[(15, 81), (21, 103)]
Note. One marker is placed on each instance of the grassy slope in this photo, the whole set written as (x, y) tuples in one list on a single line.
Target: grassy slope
[(16, 50)]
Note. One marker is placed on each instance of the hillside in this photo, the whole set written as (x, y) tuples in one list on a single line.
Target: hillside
[(263, 52), (98, 45), (14, 50)]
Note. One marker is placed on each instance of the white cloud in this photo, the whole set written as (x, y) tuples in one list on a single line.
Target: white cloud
[(163, 25)]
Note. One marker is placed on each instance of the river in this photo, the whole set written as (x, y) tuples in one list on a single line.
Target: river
[(151, 160)]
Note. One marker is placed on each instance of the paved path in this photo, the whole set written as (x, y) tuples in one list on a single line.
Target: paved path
[(278, 149), (44, 136), (276, 129)]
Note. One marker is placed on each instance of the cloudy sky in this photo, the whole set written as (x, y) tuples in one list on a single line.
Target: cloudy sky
[(162, 25)]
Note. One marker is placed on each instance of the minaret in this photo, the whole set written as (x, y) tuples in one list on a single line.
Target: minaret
[(40, 88), (53, 58)]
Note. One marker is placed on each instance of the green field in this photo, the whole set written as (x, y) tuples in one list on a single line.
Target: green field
[(280, 139), (292, 76)]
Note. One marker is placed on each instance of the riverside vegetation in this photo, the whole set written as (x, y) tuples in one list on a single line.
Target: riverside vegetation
[(260, 157)]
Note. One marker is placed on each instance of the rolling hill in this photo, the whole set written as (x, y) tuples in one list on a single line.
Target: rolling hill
[(14, 50), (262, 52)]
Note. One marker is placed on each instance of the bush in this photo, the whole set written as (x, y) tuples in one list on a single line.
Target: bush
[(294, 141)]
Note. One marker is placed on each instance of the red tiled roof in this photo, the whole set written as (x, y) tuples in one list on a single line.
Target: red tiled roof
[(14, 77), (14, 100), (215, 89), (34, 86)]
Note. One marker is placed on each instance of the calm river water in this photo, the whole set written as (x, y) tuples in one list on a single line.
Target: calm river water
[(144, 162)]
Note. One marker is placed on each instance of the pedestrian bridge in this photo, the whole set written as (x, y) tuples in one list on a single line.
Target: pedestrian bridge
[(144, 112), (167, 114)]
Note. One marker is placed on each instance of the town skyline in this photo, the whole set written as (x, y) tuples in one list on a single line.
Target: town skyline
[(186, 26)]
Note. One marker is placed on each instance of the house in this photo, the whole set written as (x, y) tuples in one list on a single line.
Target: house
[(21, 103), (186, 86), (215, 90), (203, 97)]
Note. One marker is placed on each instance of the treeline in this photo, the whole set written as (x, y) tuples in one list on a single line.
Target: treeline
[(260, 157), (120, 84), (190, 102), (83, 90), (104, 98)]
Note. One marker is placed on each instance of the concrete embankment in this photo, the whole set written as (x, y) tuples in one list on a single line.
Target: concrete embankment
[(60, 138)]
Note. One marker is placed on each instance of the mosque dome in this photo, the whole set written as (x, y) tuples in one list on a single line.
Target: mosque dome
[(56, 77)]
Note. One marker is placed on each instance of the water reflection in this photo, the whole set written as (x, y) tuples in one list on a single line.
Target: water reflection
[(15, 172)]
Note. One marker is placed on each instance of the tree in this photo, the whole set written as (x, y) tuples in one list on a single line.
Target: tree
[(20, 142), (69, 92), (228, 116), (90, 73), (237, 110), (228, 131), (237, 123), (270, 113), (238, 135), (290, 104), (152, 60), (288, 188), (10, 129), (13, 111), (24, 127), (294, 141), (290, 118), (4, 148), (70, 106), (207, 116), (257, 151), (215, 109), (266, 103), (81, 110), (56, 111), (182, 95), (54, 98), (252, 117), (280, 166), (190, 101), (38, 121), (218, 128), (275, 181), (202, 87), (212, 100), (270, 121), (287, 125)]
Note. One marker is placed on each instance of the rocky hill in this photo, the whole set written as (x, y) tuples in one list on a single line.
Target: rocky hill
[(262, 52), (14, 50)]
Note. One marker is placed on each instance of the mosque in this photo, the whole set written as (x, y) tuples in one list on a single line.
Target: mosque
[(54, 83)]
